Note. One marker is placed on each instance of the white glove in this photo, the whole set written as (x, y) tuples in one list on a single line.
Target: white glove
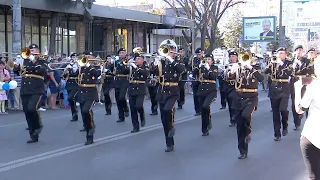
[(200, 65), (169, 59), (133, 65), (207, 66), (31, 57), (296, 62), (106, 70), (88, 65), (69, 66), (190, 76), (74, 69), (117, 58), (280, 62)]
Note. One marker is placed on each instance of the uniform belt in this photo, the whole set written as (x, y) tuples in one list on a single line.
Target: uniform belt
[(300, 76), (121, 75), (207, 81), (137, 82), (280, 80), (169, 84), (108, 76), (72, 77), (87, 85), (247, 90), (34, 76)]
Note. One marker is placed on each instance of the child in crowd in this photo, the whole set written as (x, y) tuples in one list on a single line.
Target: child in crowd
[(64, 95), (4, 77)]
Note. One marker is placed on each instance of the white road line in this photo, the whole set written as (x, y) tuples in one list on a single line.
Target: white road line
[(70, 149)]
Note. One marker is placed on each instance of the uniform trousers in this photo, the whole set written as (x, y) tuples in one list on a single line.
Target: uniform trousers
[(181, 100), (167, 117), (311, 156), (231, 110), (120, 94), (195, 87), (72, 94), (205, 103), (279, 108), (153, 94), (296, 117), (136, 106), (243, 118), (107, 99), (223, 98), (87, 117), (30, 108)]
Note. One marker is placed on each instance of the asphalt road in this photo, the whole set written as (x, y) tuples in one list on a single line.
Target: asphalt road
[(119, 155)]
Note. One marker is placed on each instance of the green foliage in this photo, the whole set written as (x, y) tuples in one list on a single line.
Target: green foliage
[(274, 45), (234, 30)]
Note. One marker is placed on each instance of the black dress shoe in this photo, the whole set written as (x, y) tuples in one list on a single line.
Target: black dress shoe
[(285, 132), (120, 120), (33, 140), (197, 114), (205, 134), (74, 118), (277, 138), (297, 128), (88, 142), (232, 124), (126, 114), (108, 113), (169, 149), (154, 113), (242, 156), (223, 108), (135, 130), (143, 123), (82, 130)]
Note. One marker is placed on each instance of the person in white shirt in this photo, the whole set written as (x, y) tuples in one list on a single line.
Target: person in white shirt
[(310, 136)]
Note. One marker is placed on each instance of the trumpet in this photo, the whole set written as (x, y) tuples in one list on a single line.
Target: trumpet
[(25, 53), (139, 50), (57, 64), (83, 60)]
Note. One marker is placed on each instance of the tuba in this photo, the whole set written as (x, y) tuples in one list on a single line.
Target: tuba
[(166, 46)]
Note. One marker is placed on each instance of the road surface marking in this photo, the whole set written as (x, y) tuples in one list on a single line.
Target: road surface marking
[(70, 149)]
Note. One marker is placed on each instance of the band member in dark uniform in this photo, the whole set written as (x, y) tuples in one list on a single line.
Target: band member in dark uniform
[(88, 95), (181, 59), (71, 73), (33, 69), (107, 83), (280, 71), (121, 83), (246, 99), (207, 91), (137, 91), (168, 93), (309, 70), (195, 85), (153, 84), (299, 70), (228, 87)]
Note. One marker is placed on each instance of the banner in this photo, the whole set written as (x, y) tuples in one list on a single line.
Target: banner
[(259, 29)]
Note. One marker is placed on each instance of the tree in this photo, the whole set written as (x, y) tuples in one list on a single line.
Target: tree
[(204, 12), (274, 45), (234, 31)]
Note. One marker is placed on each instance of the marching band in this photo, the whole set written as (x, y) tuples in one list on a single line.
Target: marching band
[(164, 78)]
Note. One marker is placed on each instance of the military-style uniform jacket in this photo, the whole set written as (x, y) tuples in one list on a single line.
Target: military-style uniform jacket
[(33, 77), (302, 70), (137, 85), (153, 78), (87, 85), (280, 74), (169, 82), (195, 70), (108, 79), (227, 83), (121, 74), (184, 74), (208, 81), (308, 70), (72, 80), (247, 86)]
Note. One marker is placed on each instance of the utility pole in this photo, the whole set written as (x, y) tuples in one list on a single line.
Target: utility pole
[(281, 29), (193, 33), (16, 26)]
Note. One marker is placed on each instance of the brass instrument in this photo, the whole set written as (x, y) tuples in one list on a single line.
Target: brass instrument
[(166, 46), (25, 53), (57, 64)]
